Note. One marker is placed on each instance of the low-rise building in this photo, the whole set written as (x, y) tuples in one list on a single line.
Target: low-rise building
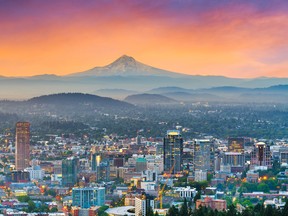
[(214, 204)]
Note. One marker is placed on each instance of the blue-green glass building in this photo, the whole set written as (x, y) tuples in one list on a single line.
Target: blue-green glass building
[(88, 197)]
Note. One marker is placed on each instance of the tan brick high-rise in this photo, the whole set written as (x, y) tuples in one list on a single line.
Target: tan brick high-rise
[(22, 152)]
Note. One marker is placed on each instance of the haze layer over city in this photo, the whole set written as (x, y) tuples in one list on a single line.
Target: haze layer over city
[(143, 108)]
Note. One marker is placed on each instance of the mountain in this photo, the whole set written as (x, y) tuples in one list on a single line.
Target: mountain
[(277, 88), (272, 94), (193, 97), (115, 93), (126, 66), (150, 99), (127, 73), (162, 90)]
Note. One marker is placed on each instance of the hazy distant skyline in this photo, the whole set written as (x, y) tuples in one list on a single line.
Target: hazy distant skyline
[(205, 37)]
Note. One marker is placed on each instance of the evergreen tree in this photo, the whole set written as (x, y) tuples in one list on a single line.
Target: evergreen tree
[(197, 196), (150, 212), (285, 209), (232, 211), (173, 211), (184, 209)]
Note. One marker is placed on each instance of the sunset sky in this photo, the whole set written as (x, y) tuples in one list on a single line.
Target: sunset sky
[(204, 37)]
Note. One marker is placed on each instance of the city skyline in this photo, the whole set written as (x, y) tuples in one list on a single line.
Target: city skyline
[(234, 39)]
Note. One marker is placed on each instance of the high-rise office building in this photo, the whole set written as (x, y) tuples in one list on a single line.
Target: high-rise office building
[(101, 168), (236, 144), (88, 196), (204, 155), (70, 168), (236, 160), (22, 152), (103, 171), (95, 161), (261, 155), (173, 151)]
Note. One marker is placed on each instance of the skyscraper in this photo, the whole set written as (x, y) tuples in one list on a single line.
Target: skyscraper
[(22, 152), (261, 155), (70, 168), (173, 151), (204, 154)]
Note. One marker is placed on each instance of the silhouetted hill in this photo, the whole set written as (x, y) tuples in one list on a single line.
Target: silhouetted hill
[(283, 88), (78, 98), (150, 99), (162, 90)]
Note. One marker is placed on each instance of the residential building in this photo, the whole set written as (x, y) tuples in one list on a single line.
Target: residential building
[(88, 197), (143, 203)]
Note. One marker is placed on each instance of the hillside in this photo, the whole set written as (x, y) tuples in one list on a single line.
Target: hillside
[(78, 98), (150, 99)]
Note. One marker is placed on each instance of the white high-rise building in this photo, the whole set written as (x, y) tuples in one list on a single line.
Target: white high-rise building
[(143, 203), (140, 206)]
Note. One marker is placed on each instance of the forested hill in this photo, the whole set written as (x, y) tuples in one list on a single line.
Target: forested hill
[(78, 98)]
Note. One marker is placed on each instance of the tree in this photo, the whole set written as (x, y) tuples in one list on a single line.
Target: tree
[(184, 209), (31, 206), (285, 209), (231, 211), (173, 211), (150, 212), (23, 198), (54, 209), (197, 196), (102, 209), (263, 187)]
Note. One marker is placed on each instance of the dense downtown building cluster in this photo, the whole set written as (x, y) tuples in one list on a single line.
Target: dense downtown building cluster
[(142, 176)]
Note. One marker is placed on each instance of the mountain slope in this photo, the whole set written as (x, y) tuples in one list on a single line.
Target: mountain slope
[(115, 93), (150, 99), (126, 66)]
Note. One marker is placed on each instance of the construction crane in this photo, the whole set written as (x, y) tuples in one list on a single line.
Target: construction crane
[(160, 194)]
